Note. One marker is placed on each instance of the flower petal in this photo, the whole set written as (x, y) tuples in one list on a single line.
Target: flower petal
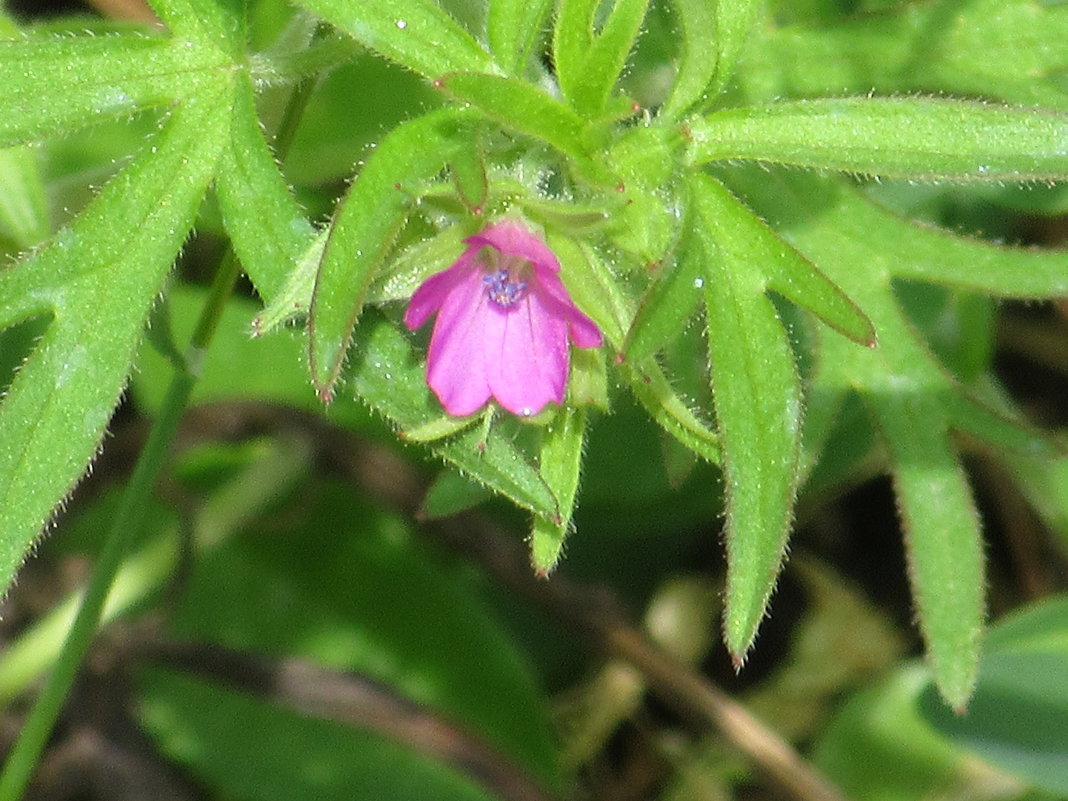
[(456, 368), (434, 291), (584, 331), (526, 355), (513, 239)]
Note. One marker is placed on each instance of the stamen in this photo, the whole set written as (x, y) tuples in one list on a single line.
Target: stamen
[(503, 289)]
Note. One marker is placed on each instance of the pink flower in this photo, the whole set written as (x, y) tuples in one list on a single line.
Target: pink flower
[(505, 321)]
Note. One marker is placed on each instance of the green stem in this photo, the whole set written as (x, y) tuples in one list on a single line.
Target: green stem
[(23, 757)]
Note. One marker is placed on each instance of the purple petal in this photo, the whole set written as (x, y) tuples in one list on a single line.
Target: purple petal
[(526, 355), (434, 291), (456, 368), (584, 331), (513, 239)]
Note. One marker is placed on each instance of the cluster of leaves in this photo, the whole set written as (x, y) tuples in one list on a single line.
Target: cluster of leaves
[(663, 204)]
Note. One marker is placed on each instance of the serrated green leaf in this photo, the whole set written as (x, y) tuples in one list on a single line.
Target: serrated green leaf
[(363, 230), (266, 227), (513, 28), (390, 377), (417, 34), (560, 463), (588, 61), (55, 85), (920, 138), (787, 272), (697, 61), (757, 397), (99, 277)]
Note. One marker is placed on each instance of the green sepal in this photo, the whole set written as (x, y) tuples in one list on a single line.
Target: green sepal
[(560, 463)]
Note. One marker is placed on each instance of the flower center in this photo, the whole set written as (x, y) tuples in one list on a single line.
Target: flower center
[(504, 285)]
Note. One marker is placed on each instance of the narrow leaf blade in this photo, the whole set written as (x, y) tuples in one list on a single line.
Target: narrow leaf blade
[(758, 407), (364, 227), (417, 34), (919, 138)]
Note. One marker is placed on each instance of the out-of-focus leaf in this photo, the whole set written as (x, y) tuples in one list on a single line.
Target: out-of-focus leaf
[(921, 138), (879, 748), (417, 34), (251, 749), (513, 28), (99, 278), (1012, 50), (560, 463), (267, 229), (758, 411), (1018, 718), (364, 227), (61, 84), (407, 621)]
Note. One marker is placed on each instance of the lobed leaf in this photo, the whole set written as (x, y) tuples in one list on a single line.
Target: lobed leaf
[(921, 138), (217, 23), (942, 533), (666, 307), (787, 272), (56, 85), (757, 397), (416, 34), (364, 227), (268, 231), (98, 278), (653, 390), (914, 401)]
